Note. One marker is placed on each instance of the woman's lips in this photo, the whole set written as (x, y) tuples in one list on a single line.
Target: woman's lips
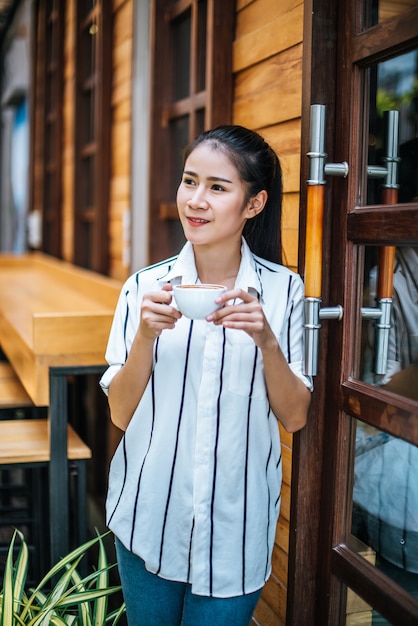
[(196, 221)]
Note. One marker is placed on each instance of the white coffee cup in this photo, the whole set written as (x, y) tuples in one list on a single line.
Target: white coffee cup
[(197, 301)]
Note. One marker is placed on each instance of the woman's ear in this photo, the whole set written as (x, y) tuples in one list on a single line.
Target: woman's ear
[(256, 204)]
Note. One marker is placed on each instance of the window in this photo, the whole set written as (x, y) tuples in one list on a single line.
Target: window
[(52, 20), (92, 133), (191, 92)]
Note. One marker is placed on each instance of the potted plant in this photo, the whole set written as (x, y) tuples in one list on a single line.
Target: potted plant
[(63, 597)]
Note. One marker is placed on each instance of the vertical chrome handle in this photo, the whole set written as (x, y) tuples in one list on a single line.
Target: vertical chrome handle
[(387, 253), (314, 232)]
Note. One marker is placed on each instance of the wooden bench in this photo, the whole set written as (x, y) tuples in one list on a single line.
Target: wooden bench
[(25, 444), (25, 441), (12, 393)]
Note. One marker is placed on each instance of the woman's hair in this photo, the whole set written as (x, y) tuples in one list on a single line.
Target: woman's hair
[(259, 168)]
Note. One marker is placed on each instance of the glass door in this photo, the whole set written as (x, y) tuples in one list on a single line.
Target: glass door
[(373, 514), (354, 539)]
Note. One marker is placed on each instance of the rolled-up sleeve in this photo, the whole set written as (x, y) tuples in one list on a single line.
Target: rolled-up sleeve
[(117, 346)]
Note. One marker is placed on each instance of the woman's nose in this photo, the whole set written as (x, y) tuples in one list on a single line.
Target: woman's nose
[(197, 199)]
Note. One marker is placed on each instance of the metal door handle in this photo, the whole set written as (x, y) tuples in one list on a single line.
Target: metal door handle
[(387, 253), (314, 230)]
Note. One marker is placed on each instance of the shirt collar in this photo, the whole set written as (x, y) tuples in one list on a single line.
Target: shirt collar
[(183, 271)]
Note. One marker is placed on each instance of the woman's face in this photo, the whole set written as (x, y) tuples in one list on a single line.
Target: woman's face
[(211, 198)]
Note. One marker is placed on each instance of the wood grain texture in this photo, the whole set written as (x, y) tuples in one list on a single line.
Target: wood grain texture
[(27, 441), (52, 314)]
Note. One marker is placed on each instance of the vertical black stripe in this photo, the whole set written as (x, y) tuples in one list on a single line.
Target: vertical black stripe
[(189, 566), (138, 487), (244, 526), (125, 325), (277, 467), (268, 511), (125, 459), (289, 325), (218, 415), (176, 447)]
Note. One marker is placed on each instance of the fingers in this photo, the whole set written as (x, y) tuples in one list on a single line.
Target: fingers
[(157, 313), (240, 310), (235, 295)]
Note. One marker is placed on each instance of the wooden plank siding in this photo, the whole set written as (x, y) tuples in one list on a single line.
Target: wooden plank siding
[(120, 185), (68, 158), (267, 66)]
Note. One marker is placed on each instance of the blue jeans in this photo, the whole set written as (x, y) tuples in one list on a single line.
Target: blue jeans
[(154, 601)]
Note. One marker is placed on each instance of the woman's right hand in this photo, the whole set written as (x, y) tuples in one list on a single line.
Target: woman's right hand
[(128, 385), (157, 313)]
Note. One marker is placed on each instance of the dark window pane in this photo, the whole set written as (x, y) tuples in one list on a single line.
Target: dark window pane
[(394, 94), (181, 33), (201, 50), (179, 134), (200, 121)]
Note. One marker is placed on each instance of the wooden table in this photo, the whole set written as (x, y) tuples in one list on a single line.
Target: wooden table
[(55, 319)]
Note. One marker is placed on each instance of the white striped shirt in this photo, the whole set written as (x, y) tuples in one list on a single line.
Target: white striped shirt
[(194, 486)]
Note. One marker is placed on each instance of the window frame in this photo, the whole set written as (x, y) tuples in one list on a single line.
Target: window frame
[(215, 100), (91, 249)]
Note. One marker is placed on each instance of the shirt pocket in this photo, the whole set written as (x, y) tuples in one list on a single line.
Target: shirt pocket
[(242, 379)]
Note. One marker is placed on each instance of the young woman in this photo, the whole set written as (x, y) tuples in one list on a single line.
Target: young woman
[(194, 486)]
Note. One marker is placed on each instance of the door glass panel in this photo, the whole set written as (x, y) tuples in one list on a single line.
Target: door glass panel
[(389, 356), (358, 612), (385, 504), (377, 11), (393, 86)]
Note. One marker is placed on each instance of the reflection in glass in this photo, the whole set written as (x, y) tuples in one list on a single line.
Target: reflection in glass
[(394, 87), (359, 613), (377, 11), (402, 360), (357, 610), (385, 503)]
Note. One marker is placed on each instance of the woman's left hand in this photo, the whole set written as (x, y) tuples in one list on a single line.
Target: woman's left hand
[(290, 399), (247, 314)]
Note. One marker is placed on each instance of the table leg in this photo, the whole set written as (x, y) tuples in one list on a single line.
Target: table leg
[(58, 469)]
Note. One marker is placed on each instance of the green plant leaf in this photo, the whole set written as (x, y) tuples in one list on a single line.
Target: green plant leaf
[(77, 552), (58, 621), (87, 596), (57, 592), (72, 601), (21, 571), (8, 587), (116, 615), (100, 607), (54, 571)]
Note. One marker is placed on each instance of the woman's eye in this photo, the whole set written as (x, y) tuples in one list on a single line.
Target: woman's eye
[(188, 181), (218, 188)]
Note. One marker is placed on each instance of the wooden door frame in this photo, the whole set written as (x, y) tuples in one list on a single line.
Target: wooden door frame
[(320, 513), (305, 559)]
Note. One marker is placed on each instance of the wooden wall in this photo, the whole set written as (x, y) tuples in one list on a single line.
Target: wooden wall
[(267, 70), (68, 134), (120, 185)]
